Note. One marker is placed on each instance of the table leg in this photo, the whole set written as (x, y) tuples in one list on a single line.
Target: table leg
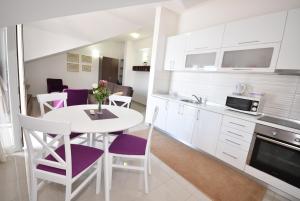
[(106, 168)]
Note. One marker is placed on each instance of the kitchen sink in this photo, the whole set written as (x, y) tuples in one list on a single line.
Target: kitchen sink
[(190, 101)]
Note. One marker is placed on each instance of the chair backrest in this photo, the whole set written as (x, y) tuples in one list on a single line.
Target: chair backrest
[(122, 101), (77, 96), (54, 85), (35, 128), (154, 117), (59, 99)]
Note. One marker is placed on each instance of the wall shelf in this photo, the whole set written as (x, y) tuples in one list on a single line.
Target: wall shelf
[(141, 68)]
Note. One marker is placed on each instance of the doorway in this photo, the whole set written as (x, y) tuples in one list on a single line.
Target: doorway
[(109, 69)]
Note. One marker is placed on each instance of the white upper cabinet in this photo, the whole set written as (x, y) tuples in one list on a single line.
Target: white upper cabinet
[(175, 51), (250, 58), (289, 53), (256, 30), (203, 47), (210, 38)]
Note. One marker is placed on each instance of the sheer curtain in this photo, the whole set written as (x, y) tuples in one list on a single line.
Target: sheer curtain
[(6, 130)]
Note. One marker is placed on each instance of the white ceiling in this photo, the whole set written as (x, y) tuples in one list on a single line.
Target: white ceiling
[(88, 26), (14, 12)]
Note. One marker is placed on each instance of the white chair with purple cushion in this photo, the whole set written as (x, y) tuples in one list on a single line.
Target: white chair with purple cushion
[(133, 147), (122, 101), (59, 100), (117, 100), (63, 165)]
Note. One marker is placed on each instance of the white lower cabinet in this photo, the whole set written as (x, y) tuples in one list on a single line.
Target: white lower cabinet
[(180, 121), (234, 141), (225, 137), (206, 131), (231, 154), (162, 105)]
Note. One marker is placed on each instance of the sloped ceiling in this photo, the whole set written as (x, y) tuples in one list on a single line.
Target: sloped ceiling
[(47, 37), (14, 12)]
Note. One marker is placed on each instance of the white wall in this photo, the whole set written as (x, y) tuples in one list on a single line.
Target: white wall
[(137, 80), (37, 71), (282, 92)]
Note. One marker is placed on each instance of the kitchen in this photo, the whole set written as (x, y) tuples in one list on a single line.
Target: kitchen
[(245, 75)]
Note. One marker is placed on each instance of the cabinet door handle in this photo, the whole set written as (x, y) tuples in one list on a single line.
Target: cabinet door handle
[(198, 114), (251, 41), (237, 124), (235, 133), (166, 106), (182, 109), (233, 142), (229, 155), (199, 48)]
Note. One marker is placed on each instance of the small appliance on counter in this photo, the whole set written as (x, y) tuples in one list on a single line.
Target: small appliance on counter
[(240, 89), (244, 104)]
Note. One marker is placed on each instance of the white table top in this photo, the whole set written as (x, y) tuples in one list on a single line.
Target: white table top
[(81, 122)]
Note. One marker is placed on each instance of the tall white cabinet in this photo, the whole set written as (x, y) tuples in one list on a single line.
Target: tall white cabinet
[(289, 58), (174, 58)]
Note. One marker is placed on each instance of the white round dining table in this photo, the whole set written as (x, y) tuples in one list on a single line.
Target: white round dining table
[(82, 123)]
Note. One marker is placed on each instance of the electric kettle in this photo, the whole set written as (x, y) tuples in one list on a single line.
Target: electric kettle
[(240, 88)]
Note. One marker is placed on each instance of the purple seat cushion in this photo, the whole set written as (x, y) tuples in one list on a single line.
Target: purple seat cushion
[(128, 145), (77, 96), (82, 158), (72, 135), (58, 104)]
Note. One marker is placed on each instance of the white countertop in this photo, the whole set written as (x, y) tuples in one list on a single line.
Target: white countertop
[(222, 110)]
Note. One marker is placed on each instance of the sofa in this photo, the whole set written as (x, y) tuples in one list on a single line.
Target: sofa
[(113, 89)]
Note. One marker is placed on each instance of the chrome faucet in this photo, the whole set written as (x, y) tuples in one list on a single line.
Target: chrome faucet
[(199, 99)]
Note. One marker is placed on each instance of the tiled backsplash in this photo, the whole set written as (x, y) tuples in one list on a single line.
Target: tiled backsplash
[(282, 92)]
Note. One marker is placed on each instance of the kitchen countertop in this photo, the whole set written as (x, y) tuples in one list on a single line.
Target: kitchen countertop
[(222, 110)]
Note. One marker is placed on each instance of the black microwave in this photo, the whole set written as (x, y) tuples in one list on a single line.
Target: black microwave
[(245, 104)]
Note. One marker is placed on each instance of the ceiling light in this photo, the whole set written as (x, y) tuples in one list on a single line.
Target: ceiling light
[(135, 35), (95, 53)]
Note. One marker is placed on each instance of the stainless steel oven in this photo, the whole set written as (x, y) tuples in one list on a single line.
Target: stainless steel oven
[(276, 152)]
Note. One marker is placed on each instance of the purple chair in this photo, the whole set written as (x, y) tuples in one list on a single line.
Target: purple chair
[(63, 165), (129, 146), (77, 96), (55, 85)]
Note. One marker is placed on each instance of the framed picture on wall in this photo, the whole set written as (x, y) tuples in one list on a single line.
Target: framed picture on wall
[(86, 68), (86, 59), (74, 58), (71, 67)]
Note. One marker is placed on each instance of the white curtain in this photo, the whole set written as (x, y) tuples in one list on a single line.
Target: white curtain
[(6, 132)]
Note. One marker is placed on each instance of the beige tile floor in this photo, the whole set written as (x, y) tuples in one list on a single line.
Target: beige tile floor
[(165, 184)]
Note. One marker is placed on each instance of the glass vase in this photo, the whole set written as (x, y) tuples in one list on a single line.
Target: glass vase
[(99, 108)]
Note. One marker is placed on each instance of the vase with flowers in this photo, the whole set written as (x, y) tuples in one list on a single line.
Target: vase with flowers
[(100, 92)]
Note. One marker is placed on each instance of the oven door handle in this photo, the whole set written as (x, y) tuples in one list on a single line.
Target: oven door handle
[(279, 143)]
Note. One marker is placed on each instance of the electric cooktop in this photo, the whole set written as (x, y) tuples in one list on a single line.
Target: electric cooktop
[(282, 122)]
